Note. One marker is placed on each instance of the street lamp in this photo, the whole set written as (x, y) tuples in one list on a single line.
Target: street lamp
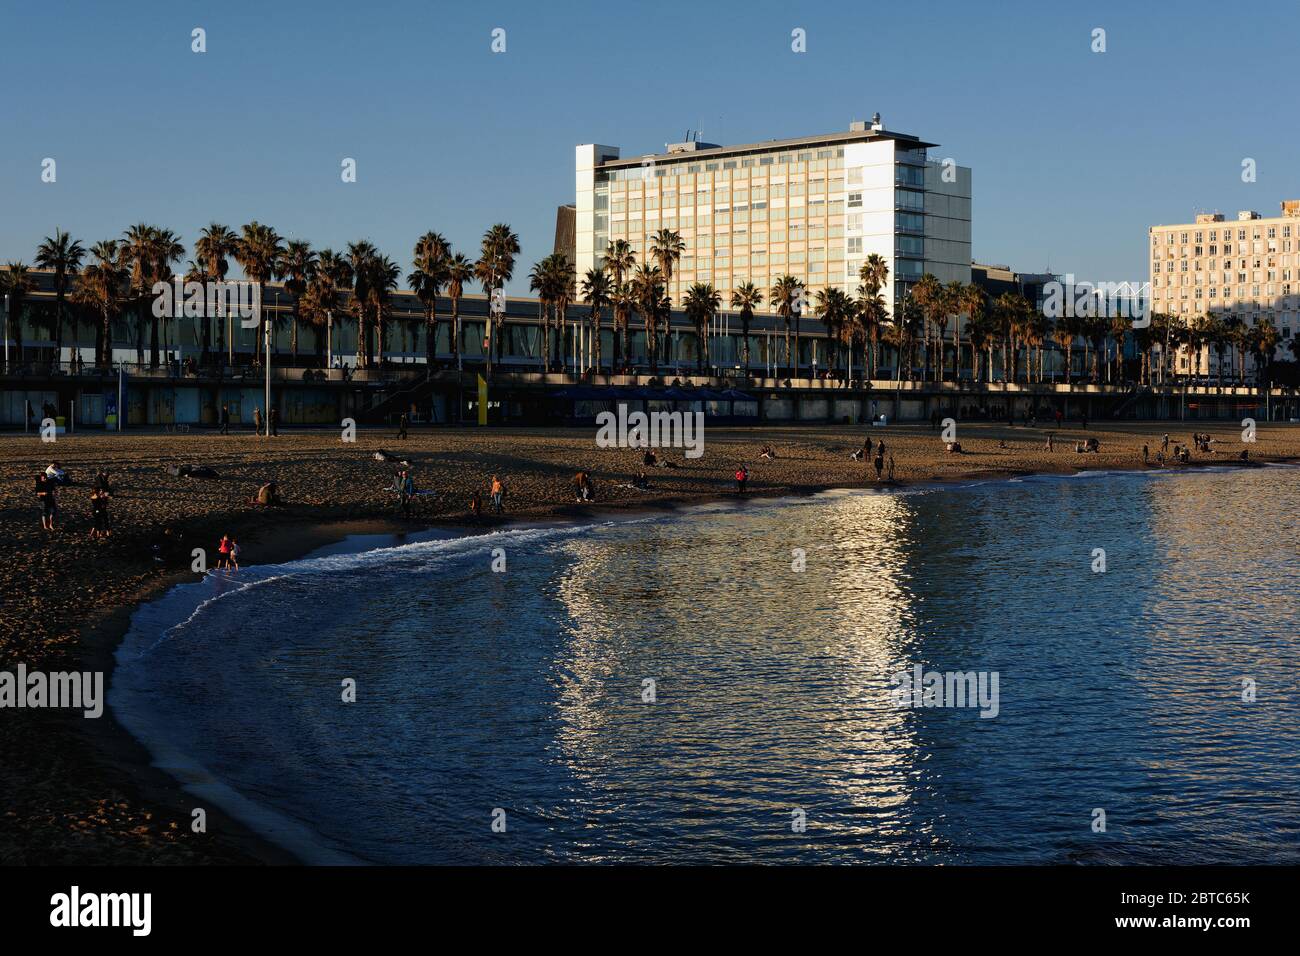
[(267, 326), (329, 340), (6, 331)]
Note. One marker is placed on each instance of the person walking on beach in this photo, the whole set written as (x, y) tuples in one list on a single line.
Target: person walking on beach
[(401, 426), (498, 495), (742, 476), (225, 419), (1164, 444), (406, 488), (45, 494), (273, 422), (223, 552), (890, 475), (257, 420), (879, 464), (98, 513), (1145, 453)]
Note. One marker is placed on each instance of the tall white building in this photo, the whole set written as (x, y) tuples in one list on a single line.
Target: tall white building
[(813, 207), (1244, 270)]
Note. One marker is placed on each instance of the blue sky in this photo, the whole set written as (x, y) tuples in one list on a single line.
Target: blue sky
[(1074, 153)]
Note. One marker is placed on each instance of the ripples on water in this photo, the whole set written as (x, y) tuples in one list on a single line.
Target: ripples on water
[(523, 690)]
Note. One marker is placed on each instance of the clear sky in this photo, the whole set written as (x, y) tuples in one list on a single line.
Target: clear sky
[(1074, 153)]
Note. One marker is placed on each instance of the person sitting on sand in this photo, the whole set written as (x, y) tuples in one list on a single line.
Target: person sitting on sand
[(268, 495), (767, 452), (1092, 445), (1244, 456), (954, 448), (649, 459), (641, 482), (498, 495), (858, 455)]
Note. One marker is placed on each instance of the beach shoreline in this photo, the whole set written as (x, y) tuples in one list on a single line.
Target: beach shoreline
[(125, 809)]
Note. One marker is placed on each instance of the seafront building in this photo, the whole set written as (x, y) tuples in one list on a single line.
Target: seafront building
[(1243, 271), (813, 207)]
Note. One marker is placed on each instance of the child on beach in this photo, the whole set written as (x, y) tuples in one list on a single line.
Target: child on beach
[(742, 476)]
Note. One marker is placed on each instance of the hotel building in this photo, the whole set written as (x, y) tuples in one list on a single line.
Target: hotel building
[(1247, 269), (813, 207)]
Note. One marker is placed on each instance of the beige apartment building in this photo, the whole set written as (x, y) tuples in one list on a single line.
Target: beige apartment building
[(813, 207), (1248, 268)]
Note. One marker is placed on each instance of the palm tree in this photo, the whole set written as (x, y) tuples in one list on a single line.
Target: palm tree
[(1065, 331), (215, 245), (99, 287), (1264, 341), (1120, 327), (496, 266), (296, 267), (541, 280), (834, 305), (619, 260), (361, 262), (333, 275), (973, 302), (62, 255), (928, 294), (666, 247), (648, 293), (701, 304), (874, 273), (954, 302), (150, 252), (869, 313), (1233, 328), (746, 298), (977, 332), (459, 271), (622, 301), (15, 282), (564, 282), (258, 251), (787, 295), (596, 288), (426, 280)]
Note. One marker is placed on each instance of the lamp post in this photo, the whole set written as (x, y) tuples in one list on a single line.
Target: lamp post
[(329, 339), (267, 423), (6, 332)]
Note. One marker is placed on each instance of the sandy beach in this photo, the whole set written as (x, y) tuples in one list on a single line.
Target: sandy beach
[(81, 791)]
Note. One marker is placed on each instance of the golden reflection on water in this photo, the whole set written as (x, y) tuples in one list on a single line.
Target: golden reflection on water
[(817, 697)]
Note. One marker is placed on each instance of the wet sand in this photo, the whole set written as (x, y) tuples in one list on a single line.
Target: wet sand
[(81, 791)]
